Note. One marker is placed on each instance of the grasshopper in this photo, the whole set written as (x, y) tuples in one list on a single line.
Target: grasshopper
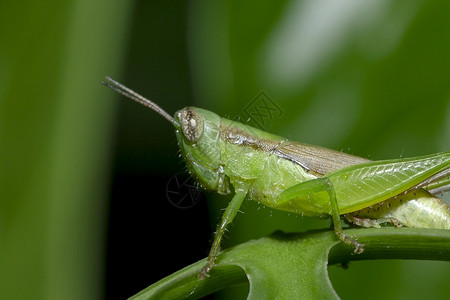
[(224, 155)]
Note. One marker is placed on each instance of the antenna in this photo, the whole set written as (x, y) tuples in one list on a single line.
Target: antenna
[(121, 89)]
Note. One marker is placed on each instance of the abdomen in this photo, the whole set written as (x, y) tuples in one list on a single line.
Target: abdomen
[(418, 209)]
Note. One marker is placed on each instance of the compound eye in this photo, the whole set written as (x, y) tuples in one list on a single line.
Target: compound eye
[(191, 124)]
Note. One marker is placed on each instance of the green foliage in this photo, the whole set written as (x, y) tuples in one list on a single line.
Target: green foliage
[(54, 139), (294, 266)]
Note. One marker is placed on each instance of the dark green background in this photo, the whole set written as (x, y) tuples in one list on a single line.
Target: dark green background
[(83, 212)]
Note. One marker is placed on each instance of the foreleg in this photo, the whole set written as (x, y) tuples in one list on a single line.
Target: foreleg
[(227, 218)]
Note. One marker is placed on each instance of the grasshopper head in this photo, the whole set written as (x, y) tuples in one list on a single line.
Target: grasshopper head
[(198, 138), (197, 133)]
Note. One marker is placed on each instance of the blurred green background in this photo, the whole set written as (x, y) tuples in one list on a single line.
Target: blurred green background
[(83, 172)]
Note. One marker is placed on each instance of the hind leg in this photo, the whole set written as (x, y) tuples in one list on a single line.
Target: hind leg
[(315, 186)]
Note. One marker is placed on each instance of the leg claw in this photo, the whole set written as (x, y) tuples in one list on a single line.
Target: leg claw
[(204, 273), (359, 248)]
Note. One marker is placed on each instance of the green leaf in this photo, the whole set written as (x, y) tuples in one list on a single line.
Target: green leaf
[(294, 265)]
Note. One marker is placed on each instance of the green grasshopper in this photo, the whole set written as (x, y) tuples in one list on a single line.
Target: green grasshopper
[(303, 179)]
